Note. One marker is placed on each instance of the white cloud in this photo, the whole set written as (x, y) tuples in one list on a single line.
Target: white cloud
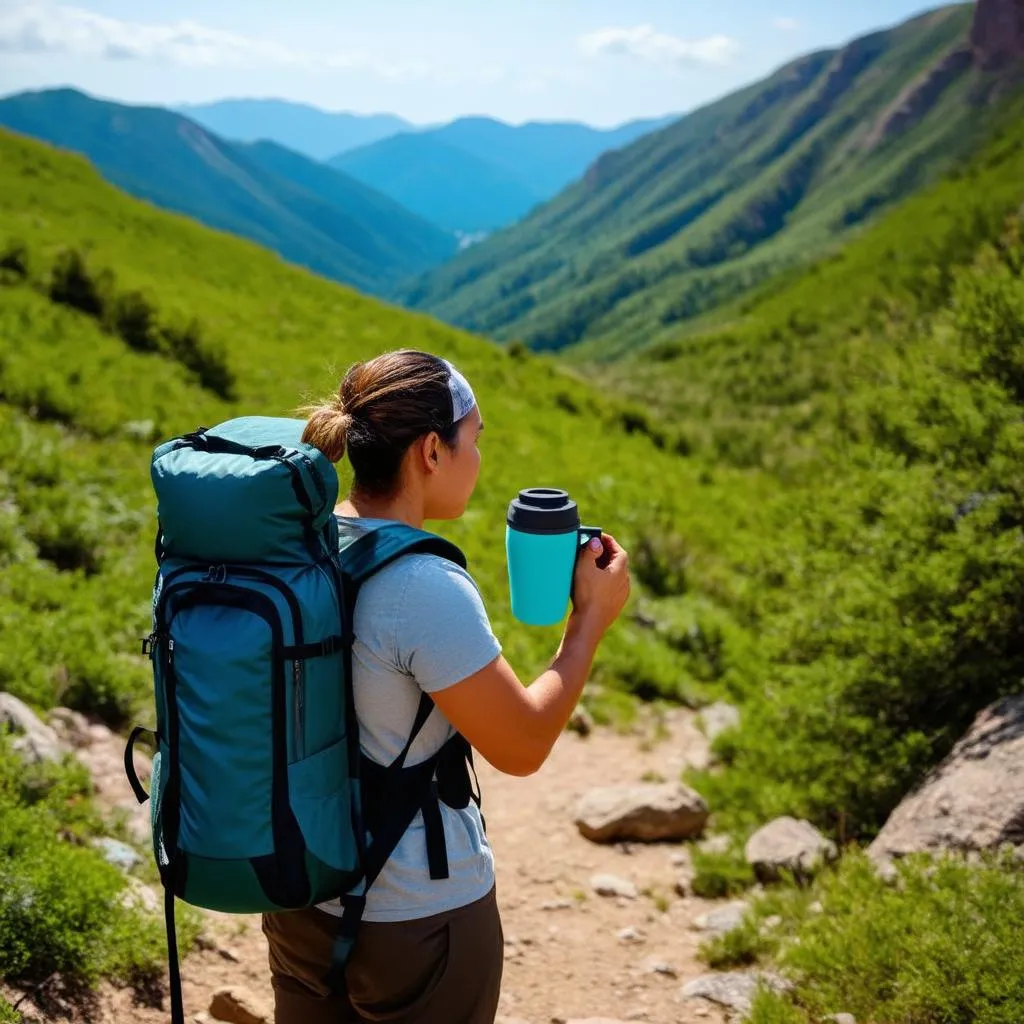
[(787, 24), (36, 28), (644, 43)]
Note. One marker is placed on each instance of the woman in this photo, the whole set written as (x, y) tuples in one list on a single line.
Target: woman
[(429, 950)]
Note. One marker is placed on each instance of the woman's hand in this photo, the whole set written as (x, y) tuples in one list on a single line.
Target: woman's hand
[(601, 583)]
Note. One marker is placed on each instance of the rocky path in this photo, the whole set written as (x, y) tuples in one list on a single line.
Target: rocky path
[(571, 954)]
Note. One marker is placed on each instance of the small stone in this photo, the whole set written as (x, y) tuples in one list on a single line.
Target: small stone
[(839, 1018), (718, 718), (733, 989), (121, 855), (612, 885), (723, 919), (788, 844), (202, 1018), (652, 965), (633, 935), (716, 844), (815, 908), (645, 812), (556, 905), (229, 954), (236, 1006), (139, 896), (771, 923), (680, 859), (581, 722)]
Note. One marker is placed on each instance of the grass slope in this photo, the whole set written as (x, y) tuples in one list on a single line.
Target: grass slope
[(311, 216), (689, 217)]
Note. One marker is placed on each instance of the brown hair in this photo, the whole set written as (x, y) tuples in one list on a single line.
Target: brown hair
[(381, 407)]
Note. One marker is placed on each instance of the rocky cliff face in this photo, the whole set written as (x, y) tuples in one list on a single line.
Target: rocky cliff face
[(997, 36)]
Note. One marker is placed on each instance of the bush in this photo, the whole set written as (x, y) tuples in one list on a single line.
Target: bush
[(60, 902), (940, 945), (133, 318), (206, 359), (14, 265), (73, 284), (8, 1014), (718, 875)]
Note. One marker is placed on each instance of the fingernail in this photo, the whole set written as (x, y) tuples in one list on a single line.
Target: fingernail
[(595, 544)]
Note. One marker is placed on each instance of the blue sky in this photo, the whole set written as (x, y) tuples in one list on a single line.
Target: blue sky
[(600, 61)]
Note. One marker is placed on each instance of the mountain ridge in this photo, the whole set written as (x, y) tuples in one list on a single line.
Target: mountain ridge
[(662, 232), (339, 228)]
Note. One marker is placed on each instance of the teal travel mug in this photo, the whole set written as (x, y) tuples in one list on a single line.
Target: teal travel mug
[(543, 538)]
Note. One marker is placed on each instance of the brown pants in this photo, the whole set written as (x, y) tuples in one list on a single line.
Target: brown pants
[(444, 969)]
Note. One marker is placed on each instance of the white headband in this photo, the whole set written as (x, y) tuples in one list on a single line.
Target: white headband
[(463, 398)]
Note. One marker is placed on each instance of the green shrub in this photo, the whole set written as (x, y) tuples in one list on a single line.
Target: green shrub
[(73, 284), (718, 875), (133, 318), (8, 1014), (939, 946), (208, 360), (60, 902), (14, 262)]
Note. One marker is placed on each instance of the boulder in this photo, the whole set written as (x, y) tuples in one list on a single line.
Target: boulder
[(646, 812), (72, 727), (237, 1006), (718, 717), (973, 801), (733, 989), (788, 844), (35, 741)]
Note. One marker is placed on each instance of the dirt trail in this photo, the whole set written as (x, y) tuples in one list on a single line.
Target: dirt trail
[(565, 956)]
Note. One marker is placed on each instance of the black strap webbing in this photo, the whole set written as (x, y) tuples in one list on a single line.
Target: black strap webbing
[(321, 649), (174, 972), (129, 763)]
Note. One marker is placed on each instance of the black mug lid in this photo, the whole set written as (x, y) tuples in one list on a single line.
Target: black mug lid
[(543, 510)]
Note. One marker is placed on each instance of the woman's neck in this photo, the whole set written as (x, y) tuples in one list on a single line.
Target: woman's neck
[(403, 507)]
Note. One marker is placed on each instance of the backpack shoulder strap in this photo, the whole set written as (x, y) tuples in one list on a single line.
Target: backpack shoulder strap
[(379, 547)]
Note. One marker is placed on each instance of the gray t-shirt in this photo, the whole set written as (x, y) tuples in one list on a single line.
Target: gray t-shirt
[(420, 625)]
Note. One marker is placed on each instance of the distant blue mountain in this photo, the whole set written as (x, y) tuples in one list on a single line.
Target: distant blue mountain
[(478, 174), (309, 213), (316, 133)]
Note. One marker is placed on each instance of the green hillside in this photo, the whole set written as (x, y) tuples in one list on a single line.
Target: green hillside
[(823, 499), (121, 325), (311, 215), (446, 185), (727, 197)]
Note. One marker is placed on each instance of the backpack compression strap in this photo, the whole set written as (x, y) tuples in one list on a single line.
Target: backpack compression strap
[(359, 561)]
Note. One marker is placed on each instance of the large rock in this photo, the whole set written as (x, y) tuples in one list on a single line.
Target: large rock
[(788, 844), (997, 35), (35, 741), (733, 989), (645, 812), (973, 801)]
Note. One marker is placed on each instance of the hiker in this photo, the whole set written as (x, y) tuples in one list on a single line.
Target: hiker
[(429, 949)]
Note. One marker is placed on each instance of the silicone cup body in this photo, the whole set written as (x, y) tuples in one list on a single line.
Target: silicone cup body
[(540, 571)]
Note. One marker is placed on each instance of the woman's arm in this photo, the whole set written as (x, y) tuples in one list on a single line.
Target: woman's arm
[(514, 727)]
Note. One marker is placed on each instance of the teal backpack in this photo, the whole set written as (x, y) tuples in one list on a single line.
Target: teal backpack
[(261, 800)]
